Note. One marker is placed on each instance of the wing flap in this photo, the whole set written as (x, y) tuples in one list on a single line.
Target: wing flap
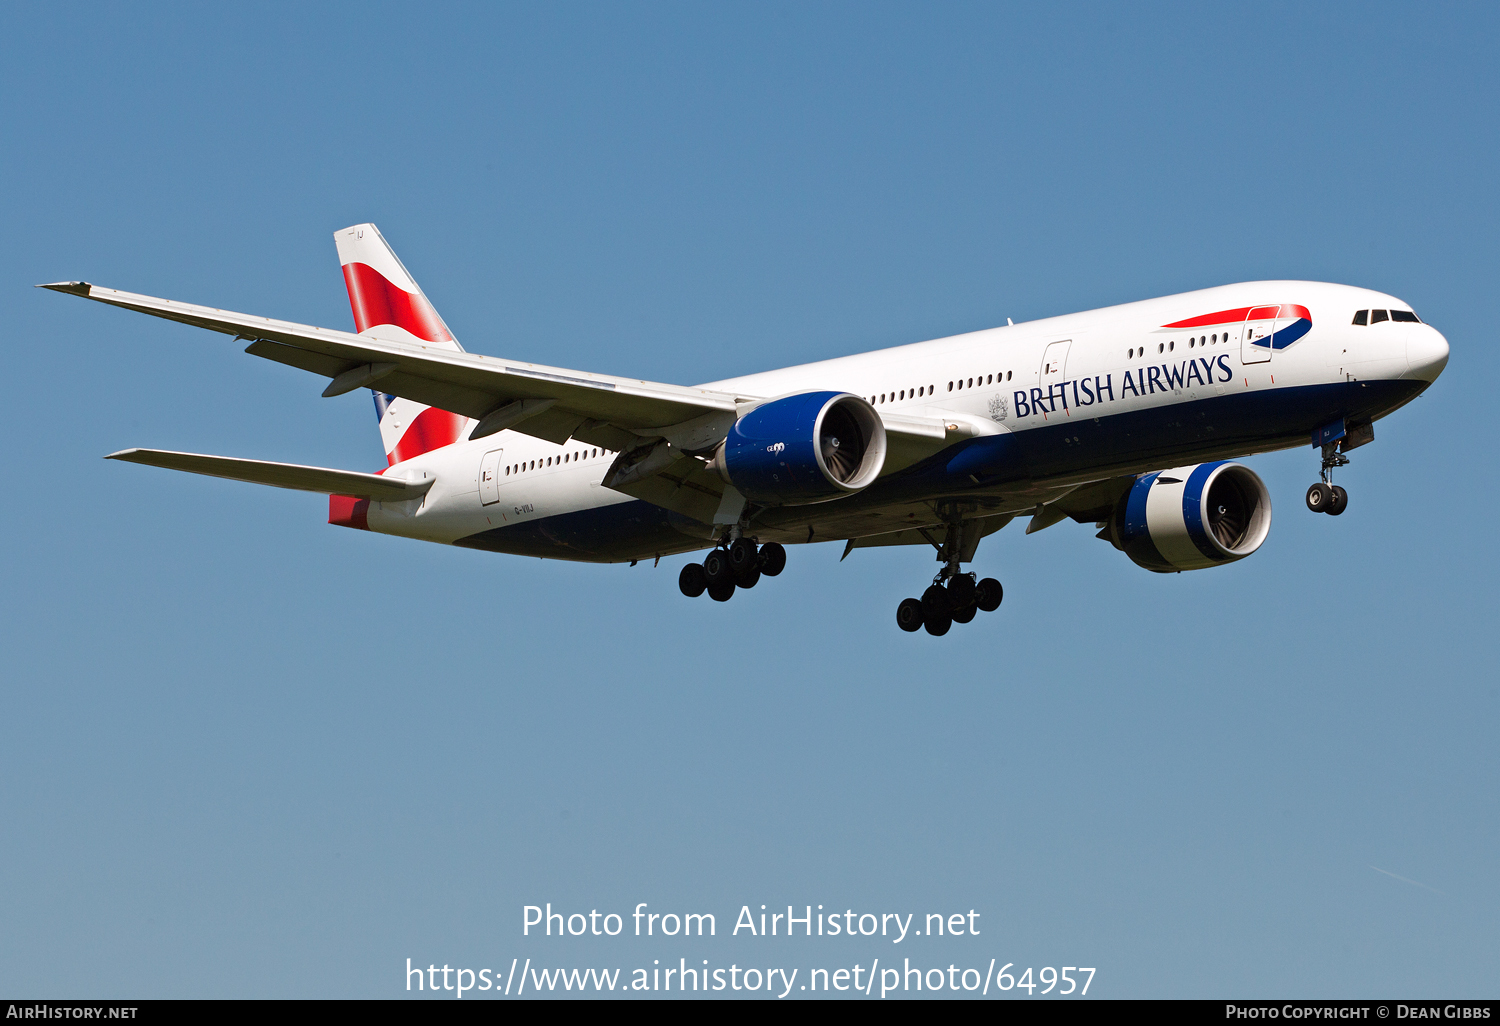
[(280, 475)]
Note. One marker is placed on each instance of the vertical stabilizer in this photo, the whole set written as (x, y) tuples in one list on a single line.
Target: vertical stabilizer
[(387, 302)]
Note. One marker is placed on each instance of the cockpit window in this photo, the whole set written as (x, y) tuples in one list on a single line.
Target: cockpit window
[(1361, 317), (1405, 315), (1376, 316)]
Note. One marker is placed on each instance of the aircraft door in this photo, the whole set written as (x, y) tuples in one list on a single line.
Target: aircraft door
[(1054, 367), (1255, 341), (489, 478)]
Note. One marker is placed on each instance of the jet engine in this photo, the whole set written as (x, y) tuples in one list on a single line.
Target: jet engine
[(803, 448), (1188, 518)]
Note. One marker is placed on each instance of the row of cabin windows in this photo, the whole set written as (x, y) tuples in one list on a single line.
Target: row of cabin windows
[(981, 380), (917, 393), (905, 393), (1367, 317), (1193, 343), (555, 461)]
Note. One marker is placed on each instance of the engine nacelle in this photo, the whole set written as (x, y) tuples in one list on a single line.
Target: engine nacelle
[(804, 448), (1188, 518)]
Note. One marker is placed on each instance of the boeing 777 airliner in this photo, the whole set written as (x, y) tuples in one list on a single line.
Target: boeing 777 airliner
[(1127, 418)]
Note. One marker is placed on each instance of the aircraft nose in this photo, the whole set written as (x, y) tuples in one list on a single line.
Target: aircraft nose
[(1426, 354)]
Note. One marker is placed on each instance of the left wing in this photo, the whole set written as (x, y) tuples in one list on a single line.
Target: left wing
[(547, 402), (654, 426), (553, 403)]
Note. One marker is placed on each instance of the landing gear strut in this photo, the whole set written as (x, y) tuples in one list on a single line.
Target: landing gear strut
[(734, 565), (954, 596), (1325, 496)]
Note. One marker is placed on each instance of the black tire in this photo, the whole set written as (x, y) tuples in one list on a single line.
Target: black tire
[(988, 595), (692, 580), (1319, 497), (721, 592), (909, 615), (1340, 501), (960, 592), (966, 614), (742, 558), (750, 579), (772, 559), (716, 568), (935, 600), (938, 623)]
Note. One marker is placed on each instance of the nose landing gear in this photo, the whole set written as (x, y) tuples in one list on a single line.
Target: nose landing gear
[(1325, 496)]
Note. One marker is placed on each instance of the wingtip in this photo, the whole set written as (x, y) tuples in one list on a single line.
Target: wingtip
[(77, 288), (122, 454)]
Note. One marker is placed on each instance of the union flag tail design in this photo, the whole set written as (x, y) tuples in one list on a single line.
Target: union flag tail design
[(388, 303)]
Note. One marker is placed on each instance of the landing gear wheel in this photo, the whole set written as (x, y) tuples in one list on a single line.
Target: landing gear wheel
[(935, 600), (721, 592), (965, 614), (937, 622), (716, 569), (750, 579), (772, 559), (742, 558), (988, 594), (692, 580), (909, 615), (1319, 498), (1340, 501), (961, 590)]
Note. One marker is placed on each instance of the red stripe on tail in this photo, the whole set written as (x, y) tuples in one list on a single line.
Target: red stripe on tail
[(375, 301), (432, 429), (347, 511)]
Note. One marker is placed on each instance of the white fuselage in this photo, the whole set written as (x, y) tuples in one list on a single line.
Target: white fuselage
[(985, 383)]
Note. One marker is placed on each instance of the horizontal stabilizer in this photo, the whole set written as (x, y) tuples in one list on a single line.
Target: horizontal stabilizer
[(280, 475)]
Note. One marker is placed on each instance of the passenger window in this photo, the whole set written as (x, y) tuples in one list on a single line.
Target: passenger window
[(1007, 375), (1404, 315), (1361, 317), (1376, 316)]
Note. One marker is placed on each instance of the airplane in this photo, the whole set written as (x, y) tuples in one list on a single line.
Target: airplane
[(1128, 418)]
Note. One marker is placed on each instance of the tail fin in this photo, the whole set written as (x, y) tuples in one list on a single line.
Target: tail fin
[(387, 302)]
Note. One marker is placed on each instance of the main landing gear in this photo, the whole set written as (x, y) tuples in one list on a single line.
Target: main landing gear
[(738, 564), (1325, 496), (954, 600), (954, 597)]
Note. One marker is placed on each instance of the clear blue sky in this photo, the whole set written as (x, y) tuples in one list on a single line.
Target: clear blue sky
[(249, 754)]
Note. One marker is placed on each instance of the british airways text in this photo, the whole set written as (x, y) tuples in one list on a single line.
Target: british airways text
[(1145, 381)]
